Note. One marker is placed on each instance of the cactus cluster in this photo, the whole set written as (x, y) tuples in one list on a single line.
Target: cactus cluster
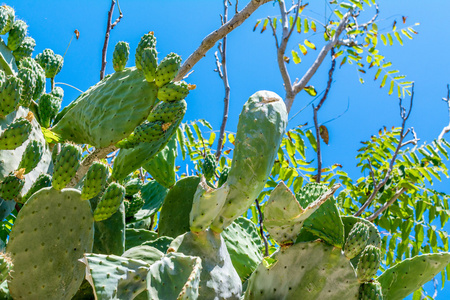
[(83, 225)]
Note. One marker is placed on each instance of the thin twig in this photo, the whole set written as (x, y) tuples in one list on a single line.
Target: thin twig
[(210, 40), (403, 134), (97, 154), (222, 69), (109, 26), (62, 83), (261, 230), (118, 18), (387, 204), (372, 173)]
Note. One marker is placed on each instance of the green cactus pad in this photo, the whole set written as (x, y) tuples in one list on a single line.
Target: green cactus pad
[(145, 253), (126, 278), (51, 233), (110, 202), (173, 91), (134, 205), (206, 205), (135, 237), (223, 176), (133, 186), (209, 166), (162, 243), (11, 185), (153, 194), (162, 166), (25, 49), (147, 41), (167, 69), (174, 215), (284, 216), (48, 108), (149, 63), (175, 276), (370, 291), (28, 86), (31, 156), (368, 264), (129, 160), (261, 126), (167, 112), (409, 275), (17, 34), (6, 19), (10, 93), (243, 244), (374, 236), (109, 111), (15, 134), (43, 181), (95, 180), (39, 75), (109, 237), (50, 62), (218, 279), (356, 240), (120, 56), (313, 270), (66, 165), (326, 222), (149, 131)]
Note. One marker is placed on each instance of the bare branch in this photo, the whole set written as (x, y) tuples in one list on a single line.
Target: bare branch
[(209, 41), (108, 30), (319, 156), (261, 230), (224, 75), (118, 18), (413, 141), (446, 128), (300, 85), (98, 154), (387, 204), (374, 18), (403, 134), (274, 32)]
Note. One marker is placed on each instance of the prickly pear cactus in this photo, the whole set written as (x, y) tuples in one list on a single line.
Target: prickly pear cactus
[(50, 62), (17, 34), (120, 56), (356, 240)]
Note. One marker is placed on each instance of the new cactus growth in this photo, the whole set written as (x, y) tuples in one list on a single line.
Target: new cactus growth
[(10, 92), (370, 291), (173, 91), (39, 75), (147, 41), (48, 107), (133, 205), (167, 69), (5, 267), (149, 63), (110, 202), (66, 165), (31, 156), (43, 181), (6, 19), (120, 56), (95, 180), (17, 34), (356, 240), (57, 92), (28, 86), (368, 264), (50, 62), (25, 49), (11, 185), (16, 133), (209, 166)]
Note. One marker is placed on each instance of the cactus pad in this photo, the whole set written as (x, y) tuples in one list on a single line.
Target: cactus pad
[(28, 86), (15, 134), (167, 69), (120, 56), (50, 62), (6, 19), (49, 106), (370, 291), (17, 34), (173, 91), (31, 156), (149, 63), (209, 166), (10, 92), (147, 41), (356, 240), (39, 75), (368, 264), (25, 49), (110, 202), (162, 166), (51, 233), (43, 181), (12, 185), (94, 181), (66, 165)]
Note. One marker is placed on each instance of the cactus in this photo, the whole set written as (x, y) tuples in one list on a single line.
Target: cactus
[(167, 69), (173, 91), (368, 264), (223, 176), (133, 205), (49, 106), (147, 41), (109, 236), (153, 195), (57, 92), (5, 267), (133, 186), (50, 62), (356, 240), (64, 224), (39, 75), (94, 181), (261, 126), (31, 156), (17, 34), (12, 185), (162, 166), (43, 181), (370, 291), (66, 165), (120, 56), (209, 166), (28, 86), (110, 202), (149, 63), (10, 93), (16, 133), (25, 49), (6, 19)]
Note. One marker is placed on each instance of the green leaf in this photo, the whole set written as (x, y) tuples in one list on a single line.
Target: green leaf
[(295, 56), (303, 49), (391, 42), (310, 44), (312, 139), (299, 25), (305, 25), (266, 21), (383, 82), (383, 38), (391, 87), (399, 38), (339, 14), (310, 90)]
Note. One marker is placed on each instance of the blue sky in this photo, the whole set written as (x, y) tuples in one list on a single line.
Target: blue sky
[(181, 25)]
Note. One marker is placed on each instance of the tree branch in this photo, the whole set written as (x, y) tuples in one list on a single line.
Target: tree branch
[(261, 230), (446, 128), (403, 134), (108, 30), (300, 85), (209, 41), (97, 154), (224, 76), (387, 204)]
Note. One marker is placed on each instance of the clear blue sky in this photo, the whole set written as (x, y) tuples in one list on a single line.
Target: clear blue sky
[(181, 25)]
